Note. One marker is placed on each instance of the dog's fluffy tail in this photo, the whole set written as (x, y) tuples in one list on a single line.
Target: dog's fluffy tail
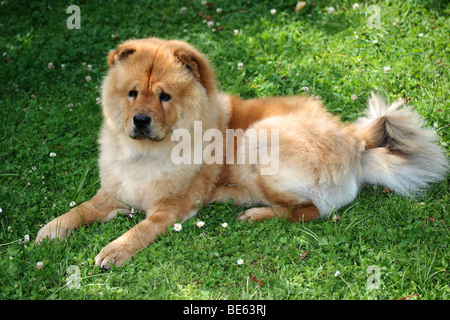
[(401, 153)]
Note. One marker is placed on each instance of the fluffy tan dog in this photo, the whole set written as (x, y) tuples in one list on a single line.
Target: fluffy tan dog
[(171, 142)]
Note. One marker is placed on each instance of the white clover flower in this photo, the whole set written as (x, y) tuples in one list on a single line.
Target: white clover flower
[(354, 97), (52, 154), (204, 3), (337, 273), (88, 78), (219, 10), (89, 67), (224, 224), (375, 41), (1, 210), (26, 238), (240, 261), (236, 32), (72, 203), (5, 54), (240, 66), (63, 66), (273, 12), (305, 89), (9, 229), (39, 265), (387, 69), (183, 10), (50, 66), (177, 227), (420, 34), (200, 224), (210, 24), (355, 6), (331, 10)]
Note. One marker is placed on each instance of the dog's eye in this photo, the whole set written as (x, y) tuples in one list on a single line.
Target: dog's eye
[(133, 94), (165, 97)]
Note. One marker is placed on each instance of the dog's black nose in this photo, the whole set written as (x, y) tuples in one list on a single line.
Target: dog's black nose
[(141, 121)]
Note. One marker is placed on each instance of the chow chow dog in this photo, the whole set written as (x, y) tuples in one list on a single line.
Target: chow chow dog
[(165, 149)]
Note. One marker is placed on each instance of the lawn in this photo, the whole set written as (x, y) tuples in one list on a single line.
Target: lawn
[(383, 246)]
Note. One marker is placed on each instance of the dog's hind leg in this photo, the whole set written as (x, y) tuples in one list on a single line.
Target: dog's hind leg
[(299, 213), (102, 207)]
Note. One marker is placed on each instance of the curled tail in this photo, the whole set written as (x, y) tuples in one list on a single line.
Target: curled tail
[(401, 153)]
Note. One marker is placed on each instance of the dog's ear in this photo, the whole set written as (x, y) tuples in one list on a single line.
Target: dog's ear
[(122, 52), (198, 65)]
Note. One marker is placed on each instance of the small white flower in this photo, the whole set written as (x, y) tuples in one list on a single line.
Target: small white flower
[(395, 23), (356, 37), (183, 10), (240, 261), (113, 36), (72, 203), (354, 97), (132, 210), (305, 89), (63, 66), (88, 78), (337, 273), (26, 238), (210, 24), (375, 41), (50, 66), (420, 34), (5, 54), (224, 224), (39, 265), (177, 227), (331, 10), (387, 69), (219, 10), (236, 32), (355, 6), (273, 12), (52, 155), (200, 224), (1, 210), (89, 67), (240, 66), (204, 3), (9, 229)]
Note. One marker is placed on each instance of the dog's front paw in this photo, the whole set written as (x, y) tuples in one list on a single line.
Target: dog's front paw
[(54, 229), (114, 253)]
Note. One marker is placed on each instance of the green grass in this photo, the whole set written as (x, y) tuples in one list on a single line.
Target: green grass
[(46, 110)]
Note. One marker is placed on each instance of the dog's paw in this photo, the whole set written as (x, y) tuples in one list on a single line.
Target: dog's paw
[(256, 214), (55, 229), (114, 253)]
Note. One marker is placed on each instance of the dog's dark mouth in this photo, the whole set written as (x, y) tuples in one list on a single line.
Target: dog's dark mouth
[(141, 134)]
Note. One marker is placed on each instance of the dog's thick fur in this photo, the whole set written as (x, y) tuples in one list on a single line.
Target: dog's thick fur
[(322, 162)]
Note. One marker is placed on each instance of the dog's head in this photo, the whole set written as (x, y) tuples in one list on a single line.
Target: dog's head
[(154, 86)]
